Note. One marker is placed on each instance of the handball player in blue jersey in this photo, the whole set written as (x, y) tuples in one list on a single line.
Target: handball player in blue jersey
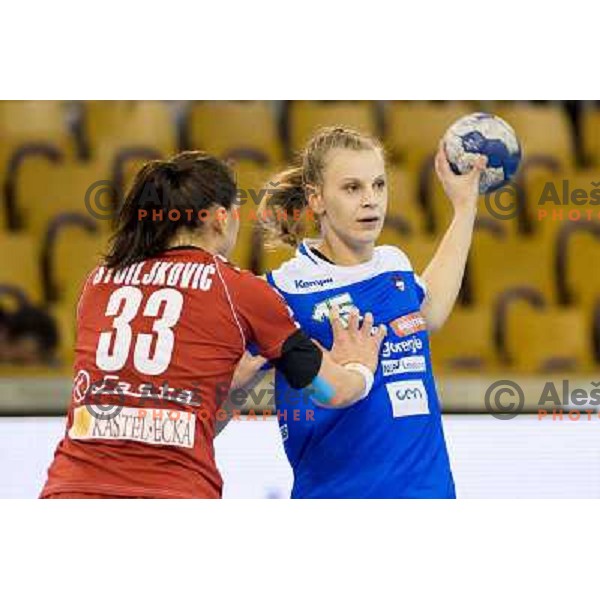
[(390, 444)]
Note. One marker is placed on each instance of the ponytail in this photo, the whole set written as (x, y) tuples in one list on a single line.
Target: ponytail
[(282, 209)]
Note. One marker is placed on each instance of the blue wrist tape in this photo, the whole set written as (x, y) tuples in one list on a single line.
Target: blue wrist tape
[(320, 391)]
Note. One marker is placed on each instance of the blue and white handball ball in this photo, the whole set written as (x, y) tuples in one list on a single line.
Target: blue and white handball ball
[(483, 134)]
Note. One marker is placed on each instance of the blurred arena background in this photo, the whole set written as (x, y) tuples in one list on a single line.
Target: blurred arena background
[(529, 309)]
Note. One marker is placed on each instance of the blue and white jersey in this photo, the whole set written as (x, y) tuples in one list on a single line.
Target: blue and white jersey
[(391, 444)]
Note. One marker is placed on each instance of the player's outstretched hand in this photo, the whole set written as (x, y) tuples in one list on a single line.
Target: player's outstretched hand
[(462, 190), (355, 343)]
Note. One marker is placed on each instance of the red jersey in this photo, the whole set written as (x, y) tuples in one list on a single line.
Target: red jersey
[(157, 346)]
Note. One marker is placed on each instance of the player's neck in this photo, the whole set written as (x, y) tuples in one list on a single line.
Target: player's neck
[(186, 238), (343, 255)]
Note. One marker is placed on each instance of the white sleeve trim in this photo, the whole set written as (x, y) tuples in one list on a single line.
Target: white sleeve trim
[(231, 304)]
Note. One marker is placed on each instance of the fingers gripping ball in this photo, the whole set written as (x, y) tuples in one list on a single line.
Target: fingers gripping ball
[(482, 134)]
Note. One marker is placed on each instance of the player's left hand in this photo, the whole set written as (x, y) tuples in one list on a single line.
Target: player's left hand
[(462, 190), (246, 369)]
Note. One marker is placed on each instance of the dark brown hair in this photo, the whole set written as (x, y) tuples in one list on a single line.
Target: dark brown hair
[(189, 183), (286, 194)]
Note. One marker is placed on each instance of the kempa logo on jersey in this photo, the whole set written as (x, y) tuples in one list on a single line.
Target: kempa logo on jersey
[(409, 364), (151, 426), (409, 324), (411, 345), (302, 284)]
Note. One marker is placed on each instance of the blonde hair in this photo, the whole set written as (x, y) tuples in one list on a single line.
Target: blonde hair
[(286, 192)]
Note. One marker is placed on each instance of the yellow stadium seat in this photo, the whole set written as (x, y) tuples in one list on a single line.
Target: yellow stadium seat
[(65, 316), (34, 120), (76, 252), (129, 169), (3, 223), (418, 247), (243, 253), (544, 130), (252, 181), (550, 205), (46, 189), (439, 204), (305, 117), (590, 127), (583, 258), (548, 339), (10, 300), (113, 125), (465, 342), (499, 264), (414, 129), (402, 199), (271, 259), (32, 124), (224, 127), (19, 264), (420, 250), (494, 207)]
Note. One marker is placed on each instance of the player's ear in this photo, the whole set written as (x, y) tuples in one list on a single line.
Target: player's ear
[(220, 220), (314, 198)]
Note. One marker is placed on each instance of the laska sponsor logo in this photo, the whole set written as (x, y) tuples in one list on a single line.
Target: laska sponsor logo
[(302, 284), (112, 385), (409, 324), (410, 346), (408, 364), (151, 426)]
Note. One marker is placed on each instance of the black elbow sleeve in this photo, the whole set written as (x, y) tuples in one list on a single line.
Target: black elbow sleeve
[(300, 360)]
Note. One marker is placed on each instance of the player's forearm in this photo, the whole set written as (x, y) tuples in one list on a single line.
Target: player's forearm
[(349, 388), (337, 386), (444, 274)]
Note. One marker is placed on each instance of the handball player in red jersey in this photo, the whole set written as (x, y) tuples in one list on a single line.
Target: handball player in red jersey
[(162, 328)]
